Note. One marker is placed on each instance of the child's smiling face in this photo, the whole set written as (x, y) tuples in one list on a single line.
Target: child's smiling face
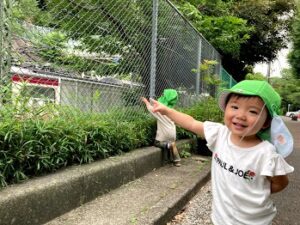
[(245, 116)]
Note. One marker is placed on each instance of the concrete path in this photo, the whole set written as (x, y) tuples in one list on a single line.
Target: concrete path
[(151, 199)]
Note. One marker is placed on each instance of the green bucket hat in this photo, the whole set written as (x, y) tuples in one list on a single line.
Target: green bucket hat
[(258, 88), (169, 98), (278, 134)]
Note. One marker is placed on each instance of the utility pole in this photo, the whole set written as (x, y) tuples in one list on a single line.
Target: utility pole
[(269, 72)]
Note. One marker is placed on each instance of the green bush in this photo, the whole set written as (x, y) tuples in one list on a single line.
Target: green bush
[(32, 144), (204, 110)]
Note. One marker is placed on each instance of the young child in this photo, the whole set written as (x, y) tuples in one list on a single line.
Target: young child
[(245, 168), (166, 129)]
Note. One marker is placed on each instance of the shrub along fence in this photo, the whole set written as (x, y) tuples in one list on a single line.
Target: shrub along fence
[(32, 147)]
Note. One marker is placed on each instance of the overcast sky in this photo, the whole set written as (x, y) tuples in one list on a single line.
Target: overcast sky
[(276, 66)]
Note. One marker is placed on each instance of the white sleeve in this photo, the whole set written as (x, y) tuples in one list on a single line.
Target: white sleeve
[(276, 166), (211, 131)]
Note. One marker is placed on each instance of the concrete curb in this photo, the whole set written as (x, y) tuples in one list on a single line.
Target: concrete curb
[(39, 200), (176, 204), (160, 214)]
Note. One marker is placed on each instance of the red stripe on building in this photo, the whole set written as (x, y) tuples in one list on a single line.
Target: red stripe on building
[(34, 80)]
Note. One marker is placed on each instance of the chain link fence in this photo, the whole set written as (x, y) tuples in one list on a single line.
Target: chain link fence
[(100, 56), (226, 78)]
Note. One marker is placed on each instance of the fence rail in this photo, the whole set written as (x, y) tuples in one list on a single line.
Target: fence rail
[(103, 55)]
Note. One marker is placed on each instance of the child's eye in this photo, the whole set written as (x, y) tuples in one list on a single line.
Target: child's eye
[(253, 112), (234, 107)]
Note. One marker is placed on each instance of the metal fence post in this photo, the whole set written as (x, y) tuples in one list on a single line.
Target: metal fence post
[(198, 76), (219, 66), (153, 48), (5, 41)]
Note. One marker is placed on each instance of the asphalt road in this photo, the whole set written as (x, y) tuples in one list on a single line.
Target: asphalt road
[(288, 201)]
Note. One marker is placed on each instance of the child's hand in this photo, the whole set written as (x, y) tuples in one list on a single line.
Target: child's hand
[(147, 103), (158, 107), (143, 99), (155, 106)]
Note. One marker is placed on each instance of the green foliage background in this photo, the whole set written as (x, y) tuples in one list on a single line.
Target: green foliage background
[(294, 56), (33, 145), (244, 32)]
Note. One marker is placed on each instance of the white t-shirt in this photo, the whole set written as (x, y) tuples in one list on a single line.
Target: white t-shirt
[(166, 128), (241, 191)]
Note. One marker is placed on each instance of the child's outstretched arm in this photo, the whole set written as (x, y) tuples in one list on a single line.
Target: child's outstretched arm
[(278, 183), (181, 119)]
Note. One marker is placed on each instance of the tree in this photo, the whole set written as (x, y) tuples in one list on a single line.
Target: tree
[(294, 56), (255, 76), (261, 32), (213, 19), (289, 89), (209, 80), (272, 21)]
